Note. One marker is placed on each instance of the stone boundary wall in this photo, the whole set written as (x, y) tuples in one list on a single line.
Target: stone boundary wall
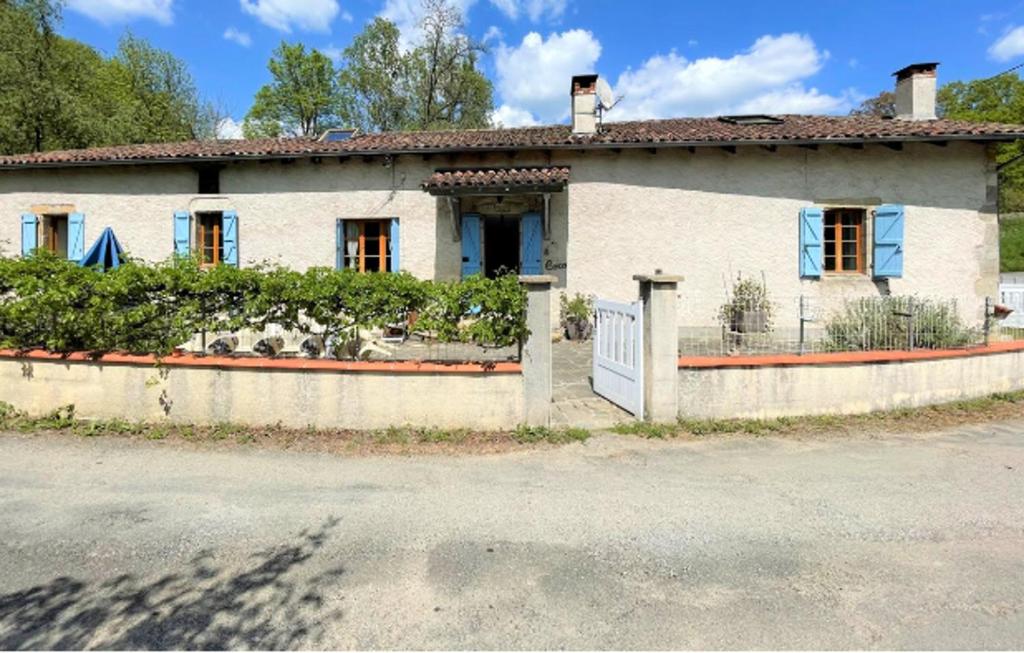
[(844, 383), (258, 391)]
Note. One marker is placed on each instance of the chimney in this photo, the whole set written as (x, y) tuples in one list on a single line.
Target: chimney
[(584, 104), (915, 92)]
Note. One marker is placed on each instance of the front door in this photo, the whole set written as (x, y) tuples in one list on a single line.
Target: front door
[(501, 245)]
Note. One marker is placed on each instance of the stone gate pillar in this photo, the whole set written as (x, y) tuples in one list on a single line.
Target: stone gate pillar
[(661, 346), (536, 355)]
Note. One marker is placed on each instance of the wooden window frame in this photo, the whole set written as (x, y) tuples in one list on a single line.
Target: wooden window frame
[(838, 240), (218, 241), (48, 238), (384, 233)]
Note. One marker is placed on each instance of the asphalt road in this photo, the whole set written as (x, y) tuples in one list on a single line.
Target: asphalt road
[(894, 542)]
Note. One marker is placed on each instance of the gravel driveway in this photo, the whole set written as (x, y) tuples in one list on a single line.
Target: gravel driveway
[(897, 541)]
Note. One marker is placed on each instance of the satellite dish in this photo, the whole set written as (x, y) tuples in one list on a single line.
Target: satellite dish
[(604, 94)]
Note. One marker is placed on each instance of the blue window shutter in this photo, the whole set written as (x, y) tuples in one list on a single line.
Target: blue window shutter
[(339, 244), (888, 249), (29, 233), (182, 232), (812, 221), (531, 244), (394, 245), (471, 244), (229, 237), (76, 236)]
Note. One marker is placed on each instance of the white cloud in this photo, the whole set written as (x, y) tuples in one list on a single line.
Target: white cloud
[(767, 78), (407, 14), (229, 129), (122, 11), (493, 33), (284, 15), (534, 75), (241, 38), (1009, 45), (506, 116), (332, 52), (534, 9)]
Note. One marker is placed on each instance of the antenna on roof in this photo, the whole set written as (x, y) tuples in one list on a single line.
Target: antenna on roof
[(606, 99)]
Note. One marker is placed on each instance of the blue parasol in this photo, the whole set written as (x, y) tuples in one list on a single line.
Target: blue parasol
[(105, 252)]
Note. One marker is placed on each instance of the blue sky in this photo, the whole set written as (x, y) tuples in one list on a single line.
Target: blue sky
[(665, 58)]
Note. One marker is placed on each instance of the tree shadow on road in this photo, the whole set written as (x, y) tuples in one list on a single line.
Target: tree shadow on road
[(268, 603)]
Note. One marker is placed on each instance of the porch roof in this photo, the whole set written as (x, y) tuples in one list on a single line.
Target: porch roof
[(497, 180)]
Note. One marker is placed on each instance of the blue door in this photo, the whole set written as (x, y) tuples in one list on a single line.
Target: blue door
[(470, 244)]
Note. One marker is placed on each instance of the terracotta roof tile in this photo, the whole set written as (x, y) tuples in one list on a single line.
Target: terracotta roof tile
[(497, 178), (675, 131)]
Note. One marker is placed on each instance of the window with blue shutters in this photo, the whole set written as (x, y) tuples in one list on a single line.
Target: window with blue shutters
[(531, 244), (844, 240), (29, 233), (811, 232), (76, 236), (182, 233), (367, 245), (229, 229), (887, 253)]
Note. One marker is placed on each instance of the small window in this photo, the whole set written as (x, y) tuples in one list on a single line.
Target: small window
[(209, 181), (366, 245), (337, 135), (752, 119), (53, 232), (209, 238), (844, 241)]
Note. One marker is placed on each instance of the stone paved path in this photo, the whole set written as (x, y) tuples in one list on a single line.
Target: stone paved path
[(575, 403)]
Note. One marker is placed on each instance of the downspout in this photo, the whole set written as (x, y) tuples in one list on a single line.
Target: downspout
[(547, 216)]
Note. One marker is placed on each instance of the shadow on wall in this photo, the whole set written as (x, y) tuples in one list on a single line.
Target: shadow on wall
[(266, 604)]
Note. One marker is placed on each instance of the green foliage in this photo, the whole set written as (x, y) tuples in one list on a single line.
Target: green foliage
[(882, 105), (748, 296), (437, 84), (1011, 242), (536, 434), (998, 99), (50, 303), (372, 79), (477, 309), (302, 99), (880, 323), (447, 89), (579, 308), (59, 93)]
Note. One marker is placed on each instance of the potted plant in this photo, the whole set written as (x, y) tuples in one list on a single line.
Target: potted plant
[(575, 315), (749, 310)]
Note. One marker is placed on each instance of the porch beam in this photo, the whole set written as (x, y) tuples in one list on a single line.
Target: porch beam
[(494, 190)]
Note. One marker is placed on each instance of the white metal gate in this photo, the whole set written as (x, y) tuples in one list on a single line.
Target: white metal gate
[(1011, 293), (618, 354)]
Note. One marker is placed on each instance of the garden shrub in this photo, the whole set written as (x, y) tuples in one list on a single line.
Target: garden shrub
[(53, 304), (876, 323)]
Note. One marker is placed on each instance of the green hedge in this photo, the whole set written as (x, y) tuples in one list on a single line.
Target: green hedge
[(53, 304), (880, 323)]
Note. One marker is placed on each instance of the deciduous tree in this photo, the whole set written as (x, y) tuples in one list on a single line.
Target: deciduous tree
[(302, 99)]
